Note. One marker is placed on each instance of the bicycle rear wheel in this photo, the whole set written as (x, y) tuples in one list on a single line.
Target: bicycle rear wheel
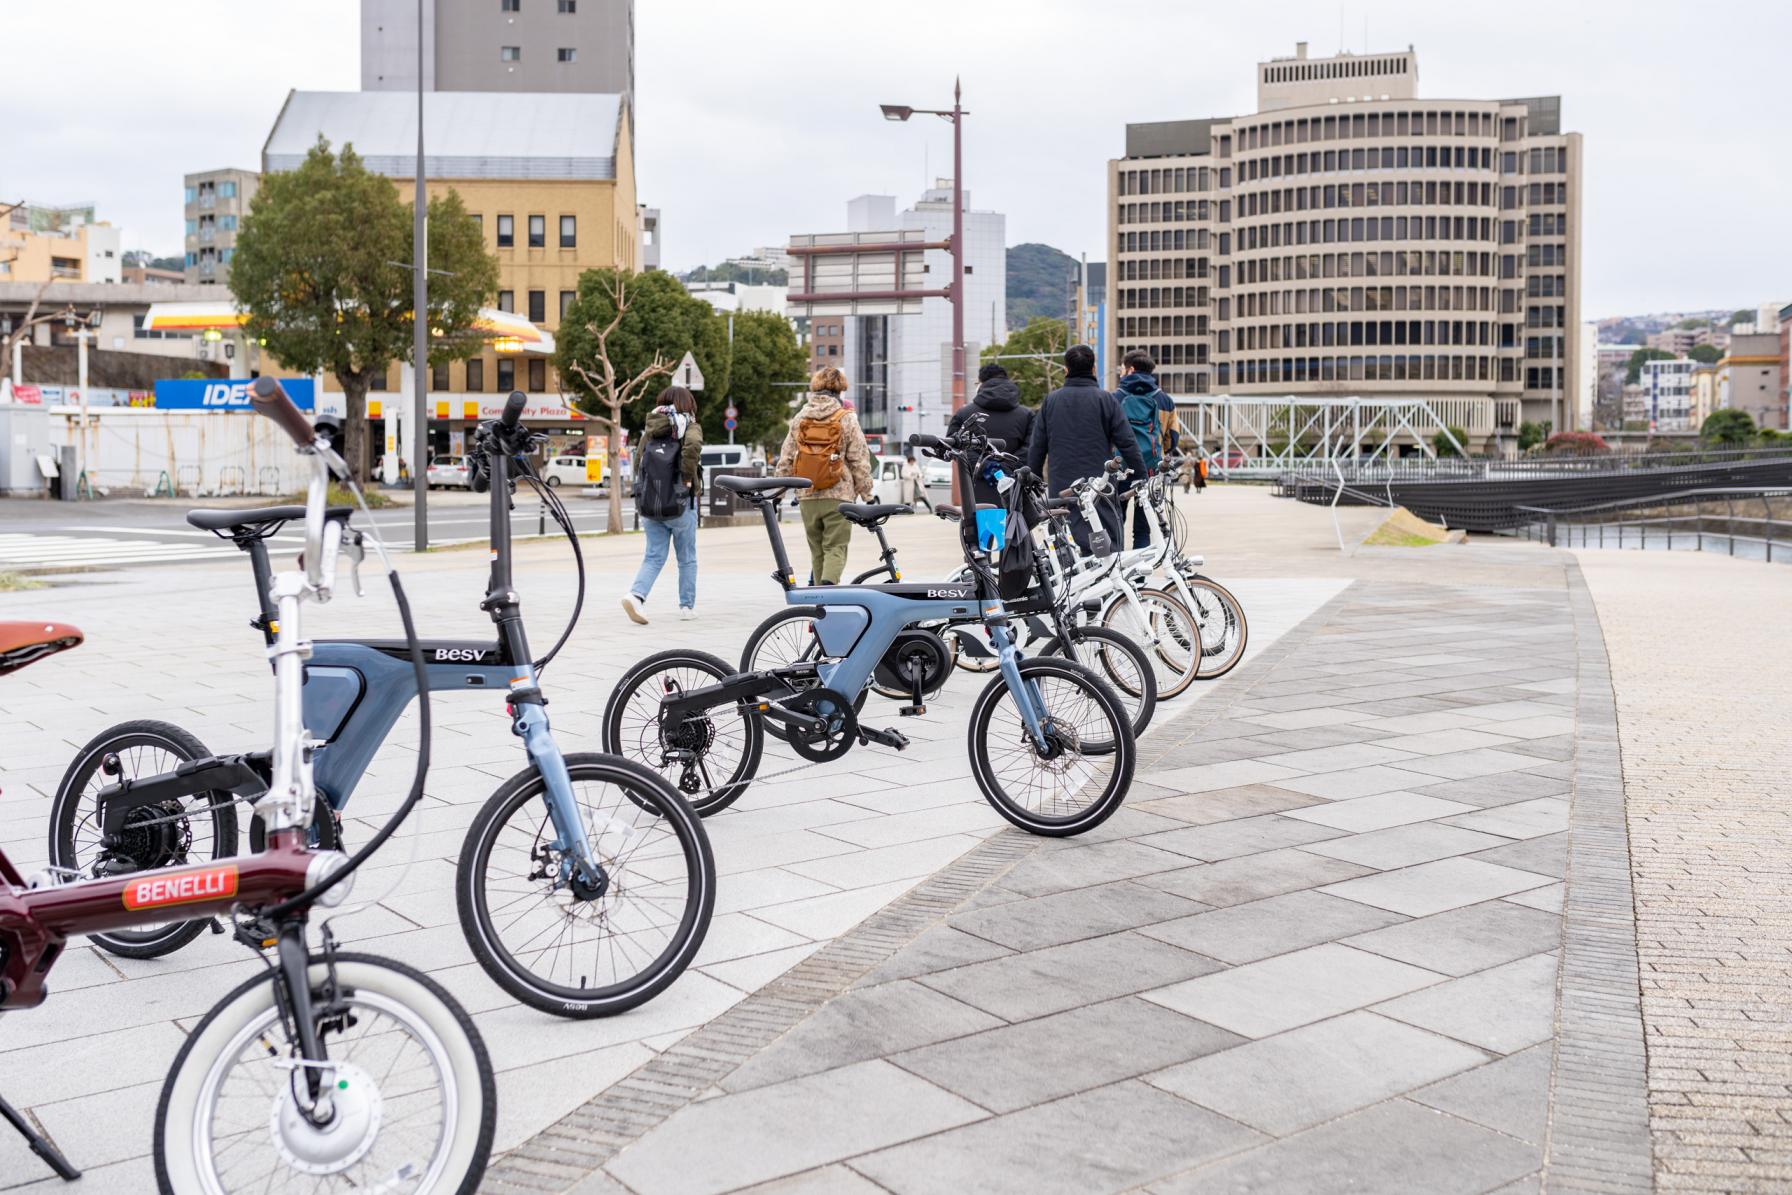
[(1169, 634), (787, 637), (579, 953), (712, 757), (1224, 631)]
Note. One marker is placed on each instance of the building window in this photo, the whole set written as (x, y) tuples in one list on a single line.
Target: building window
[(538, 232), (510, 5), (569, 5), (538, 375), (506, 300), (567, 54), (506, 231), (569, 232), (475, 374), (538, 306), (506, 375), (438, 377), (510, 53), (566, 298)]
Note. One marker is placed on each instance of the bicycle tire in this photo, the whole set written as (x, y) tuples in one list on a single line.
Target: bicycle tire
[(648, 797), (1220, 656), (1178, 646), (65, 823), (750, 662), (643, 741), (1137, 689)]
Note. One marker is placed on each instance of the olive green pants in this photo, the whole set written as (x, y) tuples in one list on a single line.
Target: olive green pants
[(829, 534)]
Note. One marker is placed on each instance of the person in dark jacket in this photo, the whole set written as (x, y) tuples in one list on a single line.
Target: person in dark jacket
[(1079, 428), (1005, 419), (1140, 379), (674, 416)]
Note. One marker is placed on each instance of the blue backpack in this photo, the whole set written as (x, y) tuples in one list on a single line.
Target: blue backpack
[(1142, 413)]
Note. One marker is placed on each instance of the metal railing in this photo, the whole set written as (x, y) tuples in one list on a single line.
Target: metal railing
[(1523, 468), (1610, 524)]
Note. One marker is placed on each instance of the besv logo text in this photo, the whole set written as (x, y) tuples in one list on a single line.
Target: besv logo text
[(464, 655)]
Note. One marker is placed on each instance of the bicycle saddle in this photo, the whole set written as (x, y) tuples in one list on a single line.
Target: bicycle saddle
[(947, 511), (23, 643), (870, 514), (234, 520), (759, 485)]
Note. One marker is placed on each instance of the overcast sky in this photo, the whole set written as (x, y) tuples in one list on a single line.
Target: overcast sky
[(757, 120)]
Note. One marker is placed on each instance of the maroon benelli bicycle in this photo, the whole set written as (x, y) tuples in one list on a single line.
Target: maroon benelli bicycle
[(330, 1071)]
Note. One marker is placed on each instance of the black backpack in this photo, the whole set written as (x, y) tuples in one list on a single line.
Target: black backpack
[(660, 495)]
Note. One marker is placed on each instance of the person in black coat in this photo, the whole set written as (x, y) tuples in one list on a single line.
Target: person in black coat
[(1079, 428), (1005, 419)]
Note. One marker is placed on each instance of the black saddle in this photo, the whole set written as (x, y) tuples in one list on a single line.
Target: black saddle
[(871, 514), (257, 517), (760, 485)]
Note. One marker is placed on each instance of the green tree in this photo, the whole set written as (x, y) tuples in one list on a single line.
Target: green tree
[(1033, 357), (1441, 445), (1742, 315), (767, 370), (1728, 426), (1706, 354), (1633, 372), (320, 270), (620, 341), (1530, 435)]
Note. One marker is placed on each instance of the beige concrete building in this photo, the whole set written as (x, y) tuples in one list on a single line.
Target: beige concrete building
[(39, 243), (1748, 379), (1350, 238), (215, 203)]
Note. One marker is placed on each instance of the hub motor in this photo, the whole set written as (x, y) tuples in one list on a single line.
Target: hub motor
[(917, 655)]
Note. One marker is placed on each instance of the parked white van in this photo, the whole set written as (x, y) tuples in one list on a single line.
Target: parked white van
[(566, 470)]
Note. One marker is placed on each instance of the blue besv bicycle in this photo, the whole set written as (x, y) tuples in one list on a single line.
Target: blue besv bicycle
[(1034, 730), (586, 883)]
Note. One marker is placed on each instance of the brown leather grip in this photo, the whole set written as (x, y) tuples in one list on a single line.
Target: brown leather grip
[(267, 397)]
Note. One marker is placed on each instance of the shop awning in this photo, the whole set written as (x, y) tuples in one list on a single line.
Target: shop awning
[(509, 332)]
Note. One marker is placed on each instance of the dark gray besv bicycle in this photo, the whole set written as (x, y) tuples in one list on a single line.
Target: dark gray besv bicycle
[(586, 883)]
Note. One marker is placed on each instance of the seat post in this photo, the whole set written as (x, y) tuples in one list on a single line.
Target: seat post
[(768, 510)]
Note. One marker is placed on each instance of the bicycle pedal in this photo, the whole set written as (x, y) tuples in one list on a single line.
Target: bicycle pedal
[(911, 711), (884, 738)]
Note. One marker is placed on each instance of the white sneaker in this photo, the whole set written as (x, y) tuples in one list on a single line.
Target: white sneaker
[(632, 605), (687, 613)]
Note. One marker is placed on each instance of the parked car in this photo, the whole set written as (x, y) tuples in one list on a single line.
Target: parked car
[(886, 479), (448, 472), (723, 456), (568, 470)]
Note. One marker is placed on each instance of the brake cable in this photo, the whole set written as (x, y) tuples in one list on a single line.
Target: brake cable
[(557, 508)]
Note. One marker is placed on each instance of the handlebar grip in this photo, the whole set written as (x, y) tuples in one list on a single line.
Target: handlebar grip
[(997, 444), (268, 398), (922, 440), (513, 409)]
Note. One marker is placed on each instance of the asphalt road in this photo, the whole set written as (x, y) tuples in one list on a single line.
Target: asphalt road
[(43, 536)]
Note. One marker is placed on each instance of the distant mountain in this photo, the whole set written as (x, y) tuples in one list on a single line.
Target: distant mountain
[(1040, 282)]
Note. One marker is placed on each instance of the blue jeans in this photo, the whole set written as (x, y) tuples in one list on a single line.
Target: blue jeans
[(681, 533)]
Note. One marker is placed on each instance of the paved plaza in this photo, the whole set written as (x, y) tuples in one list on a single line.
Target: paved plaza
[(1469, 879)]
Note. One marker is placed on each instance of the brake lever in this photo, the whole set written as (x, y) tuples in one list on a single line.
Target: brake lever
[(356, 552)]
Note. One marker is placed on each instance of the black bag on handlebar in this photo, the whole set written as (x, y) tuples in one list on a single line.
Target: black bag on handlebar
[(1014, 575)]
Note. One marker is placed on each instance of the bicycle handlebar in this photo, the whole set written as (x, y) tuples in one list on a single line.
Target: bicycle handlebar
[(268, 398), (513, 409)]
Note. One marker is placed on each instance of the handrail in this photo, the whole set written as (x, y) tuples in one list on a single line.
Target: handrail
[(1673, 498)]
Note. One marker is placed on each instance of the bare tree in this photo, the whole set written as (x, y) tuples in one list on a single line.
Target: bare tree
[(21, 332), (613, 392)]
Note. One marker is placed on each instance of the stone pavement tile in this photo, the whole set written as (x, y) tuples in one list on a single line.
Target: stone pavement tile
[(1408, 724), (1480, 761), (1546, 855), (1402, 846), (1106, 1140), (1433, 887), (1356, 782), (1040, 982), (1312, 738), (1531, 1184), (1540, 726), (1017, 1066), (828, 1180), (1503, 1009), (1126, 823), (1437, 742), (1505, 788), (1294, 1080), (1210, 752), (734, 1140), (1468, 939), (1303, 719), (1395, 1146), (1082, 913), (1246, 933), (1510, 1095), (1548, 899), (1245, 836), (1253, 877), (938, 949), (1521, 819), (1511, 711), (1225, 804), (1221, 775), (858, 1025), (911, 827), (904, 861), (832, 915), (1047, 870), (1559, 749), (1279, 993), (1359, 815), (753, 972), (1338, 759), (1557, 769)]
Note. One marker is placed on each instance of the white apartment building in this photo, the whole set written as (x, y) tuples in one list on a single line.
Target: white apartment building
[(1668, 390)]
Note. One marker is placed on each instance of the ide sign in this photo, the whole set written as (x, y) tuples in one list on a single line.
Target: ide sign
[(217, 394)]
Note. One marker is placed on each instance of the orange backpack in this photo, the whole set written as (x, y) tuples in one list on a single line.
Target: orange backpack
[(818, 456)]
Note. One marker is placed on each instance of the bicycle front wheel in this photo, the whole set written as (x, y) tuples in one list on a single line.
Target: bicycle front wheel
[(1120, 662), (1066, 788), (558, 945), (1224, 631), (1167, 631), (413, 1103)]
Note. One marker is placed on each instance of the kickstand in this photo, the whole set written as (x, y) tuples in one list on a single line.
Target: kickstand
[(39, 1146)]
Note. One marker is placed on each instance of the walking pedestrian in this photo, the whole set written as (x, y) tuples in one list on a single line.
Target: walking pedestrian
[(1078, 429), (1151, 413), (1005, 418), (825, 446), (668, 474), (914, 482)]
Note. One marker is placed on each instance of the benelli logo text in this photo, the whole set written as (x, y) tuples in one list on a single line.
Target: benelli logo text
[(190, 887), (460, 655)]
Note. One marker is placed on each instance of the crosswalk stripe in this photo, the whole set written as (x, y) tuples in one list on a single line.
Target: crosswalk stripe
[(23, 550)]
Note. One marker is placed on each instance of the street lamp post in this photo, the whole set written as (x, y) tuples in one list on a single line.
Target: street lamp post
[(420, 328)]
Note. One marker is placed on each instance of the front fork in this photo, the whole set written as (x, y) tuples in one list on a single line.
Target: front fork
[(1027, 697), (529, 722)]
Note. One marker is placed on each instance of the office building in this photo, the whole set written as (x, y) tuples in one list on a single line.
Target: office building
[(215, 203), (1748, 378), (501, 45), (1351, 238), (40, 243), (727, 297)]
